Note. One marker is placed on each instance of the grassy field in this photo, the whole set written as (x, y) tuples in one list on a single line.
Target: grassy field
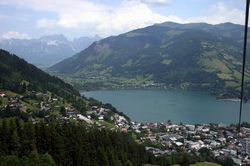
[(205, 164)]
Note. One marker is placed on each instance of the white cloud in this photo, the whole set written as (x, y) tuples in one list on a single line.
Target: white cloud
[(153, 2), (96, 18), (3, 17), (14, 35), (128, 16), (156, 2), (46, 23), (220, 13)]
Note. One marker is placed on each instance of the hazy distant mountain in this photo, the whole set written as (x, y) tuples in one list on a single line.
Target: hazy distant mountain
[(188, 56), (81, 43), (46, 50)]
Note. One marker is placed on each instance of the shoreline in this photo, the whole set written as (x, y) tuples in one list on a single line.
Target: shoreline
[(230, 99), (165, 89)]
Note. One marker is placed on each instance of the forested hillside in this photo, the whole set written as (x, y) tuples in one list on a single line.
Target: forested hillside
[(195, 56), (66, 144), (17, 75), (29, 91)]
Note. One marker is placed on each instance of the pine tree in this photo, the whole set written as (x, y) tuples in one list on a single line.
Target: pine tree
[(28, 139), (46, 160), (14, 143), (9, 160)]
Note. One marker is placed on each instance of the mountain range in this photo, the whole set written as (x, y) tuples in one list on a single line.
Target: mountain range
[(196, 56), (47, 50)]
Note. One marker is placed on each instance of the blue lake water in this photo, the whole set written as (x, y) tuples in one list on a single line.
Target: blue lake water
[(177, 106)]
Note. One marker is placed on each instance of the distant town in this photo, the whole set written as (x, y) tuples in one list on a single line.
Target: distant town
[(159, 138)]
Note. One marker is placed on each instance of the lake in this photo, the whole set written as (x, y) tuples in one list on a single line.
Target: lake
[(177, 106)]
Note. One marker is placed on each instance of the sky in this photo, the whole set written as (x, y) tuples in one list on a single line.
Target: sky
[(25, 19)]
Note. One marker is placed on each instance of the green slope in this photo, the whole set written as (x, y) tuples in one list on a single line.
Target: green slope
[(19, 78), (187, 56), (15, 72), (27, 87)]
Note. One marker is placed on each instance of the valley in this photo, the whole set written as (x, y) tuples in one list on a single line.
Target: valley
[(194, 56), (124, 83)]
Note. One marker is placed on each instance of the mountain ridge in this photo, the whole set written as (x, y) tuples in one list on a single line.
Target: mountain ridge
[(46, 50), (194, 56)]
